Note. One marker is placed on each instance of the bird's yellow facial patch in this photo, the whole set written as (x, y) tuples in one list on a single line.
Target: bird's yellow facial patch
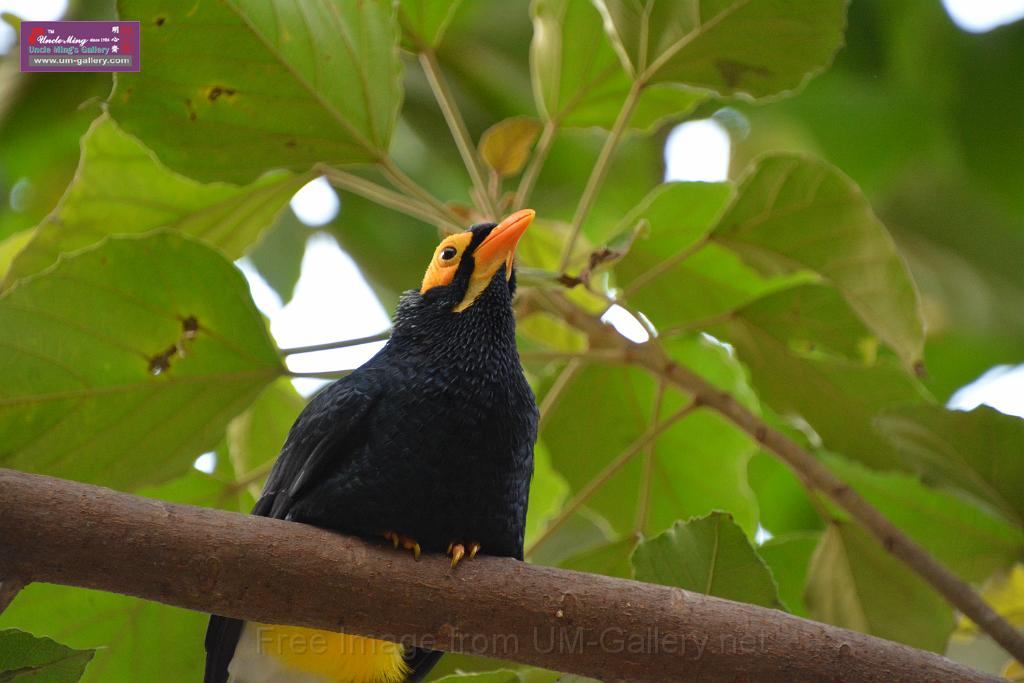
[(446, 261), (332, 656), (497, 249)]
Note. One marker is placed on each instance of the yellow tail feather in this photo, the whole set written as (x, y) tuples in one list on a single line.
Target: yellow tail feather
[(269, 654)]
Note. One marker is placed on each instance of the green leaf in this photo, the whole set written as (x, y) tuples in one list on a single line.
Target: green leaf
[(548, 491), (278, 256), (608, 559), (548, 332), (11, 247), (136, 640), (855, 584), (12, 20), (126, 361), (678, 215), (838, 397), (424, 22), (984, 543), (506, 145), (42, 118), (696, 466), (577, 78), (583, 530), (121, 188), (24, 656), (716, 363), (789, 557), (670, 258), (251, 85), (709, 555), (782, 501), (978, 451), (730, 47), (794, 212)]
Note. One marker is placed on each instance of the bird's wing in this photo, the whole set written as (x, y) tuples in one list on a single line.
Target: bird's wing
[(316, 441), (320, 439)]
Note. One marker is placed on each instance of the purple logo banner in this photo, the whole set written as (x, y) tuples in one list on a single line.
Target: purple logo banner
[(80, 46)]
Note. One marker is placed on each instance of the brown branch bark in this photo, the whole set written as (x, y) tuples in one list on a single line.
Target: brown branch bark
[(253, 568), (9, 588), (808, 468)]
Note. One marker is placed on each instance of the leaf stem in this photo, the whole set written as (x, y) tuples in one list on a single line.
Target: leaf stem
[(609, 471), (452, 115), (601, 167), (602, 355), (564, 379), (380, 336), (253, 476), (532, 172), (401, 180), (644, 500), (648, 276), (378, 194), (324, 374)]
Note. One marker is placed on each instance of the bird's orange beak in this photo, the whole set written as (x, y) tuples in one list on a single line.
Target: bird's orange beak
[(500, 245)]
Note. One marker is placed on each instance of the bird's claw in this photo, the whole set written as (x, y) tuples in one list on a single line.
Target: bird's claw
[(404, 541), (457, 551)]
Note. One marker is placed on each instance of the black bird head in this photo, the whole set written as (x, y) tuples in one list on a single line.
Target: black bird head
[(466, 265), (466, 296)]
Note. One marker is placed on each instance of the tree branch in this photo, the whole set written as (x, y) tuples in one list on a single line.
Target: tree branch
[(808, 468), (9, 588), (279, 572)]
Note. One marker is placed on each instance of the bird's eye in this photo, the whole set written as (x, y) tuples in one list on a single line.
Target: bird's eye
[(448, 253)]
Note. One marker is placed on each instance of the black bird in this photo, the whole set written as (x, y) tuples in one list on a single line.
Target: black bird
[(429, 445)]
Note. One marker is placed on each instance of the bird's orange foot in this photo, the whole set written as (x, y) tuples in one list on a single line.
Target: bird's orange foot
[(457, 551), (403, 541)]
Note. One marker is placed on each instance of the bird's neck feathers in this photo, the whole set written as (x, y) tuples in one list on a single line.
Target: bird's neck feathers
[(429, 325)]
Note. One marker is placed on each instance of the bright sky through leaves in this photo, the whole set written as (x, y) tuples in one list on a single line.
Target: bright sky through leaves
[(978, 16)]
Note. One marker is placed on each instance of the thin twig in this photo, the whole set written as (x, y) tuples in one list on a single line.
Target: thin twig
[(380, 336), (647, 438), (600, 171), (533, 169), (452, 115), (808, 469)]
